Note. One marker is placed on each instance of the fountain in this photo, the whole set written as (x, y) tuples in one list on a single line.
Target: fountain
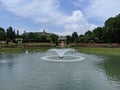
[(64, 69), (62, 55)]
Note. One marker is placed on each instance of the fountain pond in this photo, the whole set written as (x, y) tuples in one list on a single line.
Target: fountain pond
[(62, 55), (59, 69)]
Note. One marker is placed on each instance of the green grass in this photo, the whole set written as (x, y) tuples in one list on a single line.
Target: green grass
[(10, 50), (41, 49), (102, 51), (20, 50)]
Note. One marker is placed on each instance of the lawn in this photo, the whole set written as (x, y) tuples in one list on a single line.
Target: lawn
[(44, 47), (104, 51)]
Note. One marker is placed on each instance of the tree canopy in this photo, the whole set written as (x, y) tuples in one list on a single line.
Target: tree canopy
[(109, 33)]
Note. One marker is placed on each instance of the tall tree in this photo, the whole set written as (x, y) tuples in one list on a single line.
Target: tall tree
[(112, 29), (74, 37), (98, 34), (69, 39), (10, 33), (109, 22), (88, 36), (17, 33), (2, 33), (53, 37), (81, 38)]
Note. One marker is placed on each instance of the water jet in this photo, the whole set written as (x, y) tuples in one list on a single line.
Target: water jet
[(62, 55)]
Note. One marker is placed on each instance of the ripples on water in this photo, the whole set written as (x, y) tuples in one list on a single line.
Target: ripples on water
[(28, 72)]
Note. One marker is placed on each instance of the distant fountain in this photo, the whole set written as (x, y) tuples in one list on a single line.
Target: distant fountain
[(62, 55), (26, 51)]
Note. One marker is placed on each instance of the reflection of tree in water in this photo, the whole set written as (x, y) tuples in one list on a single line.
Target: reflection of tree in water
[(111, 66)]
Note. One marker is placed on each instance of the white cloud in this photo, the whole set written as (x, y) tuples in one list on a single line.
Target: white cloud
[(48, 12), (77, 17), (103, 9), (77, 23), (43, 11)]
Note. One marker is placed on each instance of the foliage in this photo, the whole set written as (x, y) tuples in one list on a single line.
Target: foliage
[(2, 34), (74, 37), (39, 37), (102, 51), (109, 33), (69, 39), (10, 34)]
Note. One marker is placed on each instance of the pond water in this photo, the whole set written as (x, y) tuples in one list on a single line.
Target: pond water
[(26, 71)]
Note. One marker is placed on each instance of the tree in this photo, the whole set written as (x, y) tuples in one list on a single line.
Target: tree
[(74, 37), (43, 38), (98, 34), (112, 29), (2, 34), (17, 35), (88, 33), (117, 35), (109, 22), (81, 38), (10, 34), (117, 21), (53, 38), (109, 33), (88, 36), (69, 39)]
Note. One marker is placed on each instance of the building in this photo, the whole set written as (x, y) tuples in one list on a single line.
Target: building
[(39, 36), (62, 41), (19, 40), (39, 33)]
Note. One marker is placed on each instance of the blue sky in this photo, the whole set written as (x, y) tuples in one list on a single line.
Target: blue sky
[(62, 17)]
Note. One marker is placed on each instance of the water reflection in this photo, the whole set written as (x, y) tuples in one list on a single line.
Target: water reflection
[(28, 72), (111, 67)]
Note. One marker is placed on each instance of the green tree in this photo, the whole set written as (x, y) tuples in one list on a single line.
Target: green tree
[(98, 34), (112, 29), (2, 34), (54, 38), (81, 38), (109, 22), (88, 33), (69, 39), (74, 37), (10, 34), (43, 38), (88, 36)]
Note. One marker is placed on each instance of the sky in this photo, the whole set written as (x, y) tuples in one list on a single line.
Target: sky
[(62, 17)]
